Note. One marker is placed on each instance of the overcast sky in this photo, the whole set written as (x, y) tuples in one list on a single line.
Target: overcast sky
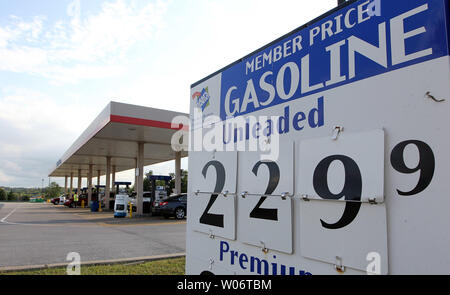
[(62, 62)]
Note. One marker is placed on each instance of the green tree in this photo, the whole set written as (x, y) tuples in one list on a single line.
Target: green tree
[(184, 182), (169, 186), (53, 191), (3, 196), (12, 196), (147, 181)]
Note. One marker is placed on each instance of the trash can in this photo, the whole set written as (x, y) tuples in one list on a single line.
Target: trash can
[(111, 204), (94, 206), (146, 208)]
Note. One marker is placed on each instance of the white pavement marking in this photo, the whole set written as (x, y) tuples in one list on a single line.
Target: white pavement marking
[(3, 220)]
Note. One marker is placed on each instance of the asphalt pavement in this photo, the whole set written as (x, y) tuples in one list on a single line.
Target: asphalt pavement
[(34, 234)]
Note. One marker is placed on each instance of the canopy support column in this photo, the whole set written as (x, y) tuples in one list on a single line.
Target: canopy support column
[(178, 172), (91, 166), (65, 184), (71, 184), (79, 183), (108, 182), (140, 180), (135, 176), (98, 191), (113, 187)]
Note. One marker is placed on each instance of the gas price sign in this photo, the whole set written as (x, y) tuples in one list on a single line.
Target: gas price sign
[(326, 151)]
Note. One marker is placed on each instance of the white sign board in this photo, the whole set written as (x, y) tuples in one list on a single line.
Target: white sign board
[(214, 193), (347, 167), (306, 197), (337, 175), (265, 201), (346, 245)]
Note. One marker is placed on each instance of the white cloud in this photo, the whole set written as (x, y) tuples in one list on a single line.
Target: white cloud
[(115, 29), (35, 112), (19, 30), (34, 131), (76, 49), (10, 149), (4, 178), (12, 166)]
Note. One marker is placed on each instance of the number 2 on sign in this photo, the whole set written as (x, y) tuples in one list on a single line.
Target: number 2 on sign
[(209, 218)]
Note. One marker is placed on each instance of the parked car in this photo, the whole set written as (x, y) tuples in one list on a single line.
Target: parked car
[(59, 200), (147, 202), (70, 203), (173, 206)]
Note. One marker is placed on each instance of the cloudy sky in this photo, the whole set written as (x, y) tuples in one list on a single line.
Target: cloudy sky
[(61, 62)]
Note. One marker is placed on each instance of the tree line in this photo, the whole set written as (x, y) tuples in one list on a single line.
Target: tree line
[(24, 194), (54, 190)]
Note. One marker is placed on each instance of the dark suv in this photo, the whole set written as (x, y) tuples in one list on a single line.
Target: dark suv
[(172, 206)]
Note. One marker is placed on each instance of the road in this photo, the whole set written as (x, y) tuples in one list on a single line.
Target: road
[(33, 234)]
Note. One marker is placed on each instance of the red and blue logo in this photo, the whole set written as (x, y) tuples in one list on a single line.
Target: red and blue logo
[(202, 98)]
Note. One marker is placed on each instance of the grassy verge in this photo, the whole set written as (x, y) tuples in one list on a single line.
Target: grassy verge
[(160, 267)]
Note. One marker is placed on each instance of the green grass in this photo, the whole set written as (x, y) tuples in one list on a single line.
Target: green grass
[(160, 267)]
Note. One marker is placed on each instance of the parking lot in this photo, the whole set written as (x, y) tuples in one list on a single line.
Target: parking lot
[(39, 234)]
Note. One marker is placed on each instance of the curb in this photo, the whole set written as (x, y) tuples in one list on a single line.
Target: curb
[(6, 269)]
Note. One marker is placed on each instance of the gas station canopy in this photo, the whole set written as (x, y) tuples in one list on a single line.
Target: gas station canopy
[(116, 133)]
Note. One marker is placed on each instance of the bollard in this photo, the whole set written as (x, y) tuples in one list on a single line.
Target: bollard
[(82, 203), (99, 205), (131, 209)]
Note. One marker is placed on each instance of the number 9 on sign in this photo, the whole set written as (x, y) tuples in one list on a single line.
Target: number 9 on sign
[(340, 178)]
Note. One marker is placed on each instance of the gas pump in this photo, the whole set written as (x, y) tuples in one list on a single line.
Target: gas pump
[(159, 192), (122, 199), (155, 194), (83, 197), (99, 195)]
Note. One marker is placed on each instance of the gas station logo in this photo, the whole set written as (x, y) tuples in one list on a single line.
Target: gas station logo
[(202, 98)]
